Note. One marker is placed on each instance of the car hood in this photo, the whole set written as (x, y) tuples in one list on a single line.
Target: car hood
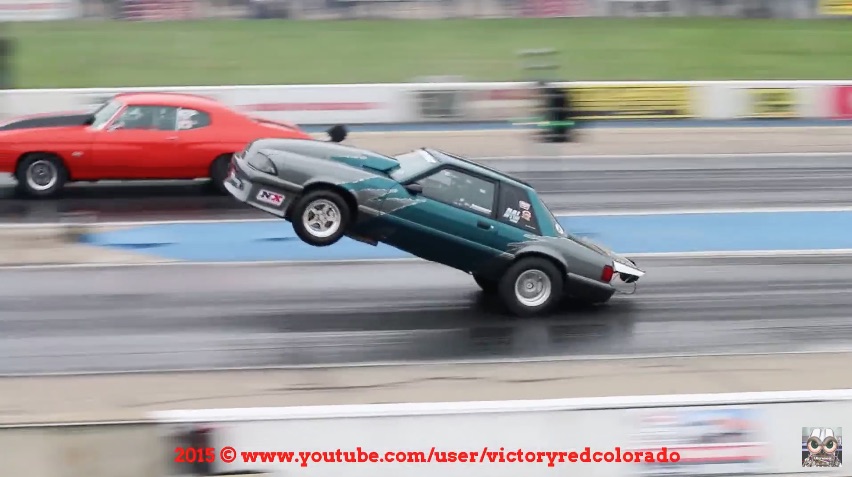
[(46, 121), (373, 163), (620, 264)]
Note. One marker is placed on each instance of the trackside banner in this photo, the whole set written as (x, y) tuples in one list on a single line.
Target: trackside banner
[(499, 101), (745, 434), (646, 101), (39, 10)]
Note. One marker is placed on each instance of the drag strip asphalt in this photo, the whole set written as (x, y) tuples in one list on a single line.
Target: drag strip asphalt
[(569, 185), (242, 316)]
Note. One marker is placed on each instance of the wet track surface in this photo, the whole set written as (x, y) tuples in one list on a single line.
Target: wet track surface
[(191, 317), (570, 185)]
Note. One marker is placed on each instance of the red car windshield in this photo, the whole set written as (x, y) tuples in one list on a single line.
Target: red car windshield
[(105, 112)]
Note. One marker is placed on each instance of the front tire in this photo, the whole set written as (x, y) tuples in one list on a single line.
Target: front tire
[(321, 218), (41, 175), (531, 286)]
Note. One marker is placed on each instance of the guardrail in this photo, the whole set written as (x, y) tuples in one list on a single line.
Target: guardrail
[(447, 102), (716, 434)]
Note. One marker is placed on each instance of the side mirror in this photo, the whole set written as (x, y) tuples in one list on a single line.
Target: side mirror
[(414, 188), (337, 133)]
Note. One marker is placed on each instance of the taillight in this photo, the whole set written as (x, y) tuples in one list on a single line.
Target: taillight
[(606, 276)]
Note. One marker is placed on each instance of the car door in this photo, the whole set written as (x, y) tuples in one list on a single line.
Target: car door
[(140, 143), (450, 222)]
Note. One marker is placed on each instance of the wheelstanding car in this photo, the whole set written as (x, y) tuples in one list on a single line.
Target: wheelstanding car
[(133, 136), (436, 206)]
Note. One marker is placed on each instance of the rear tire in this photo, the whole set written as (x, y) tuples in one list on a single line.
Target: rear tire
[(219, 172), (531, 286), (41, 175), (320, 218)]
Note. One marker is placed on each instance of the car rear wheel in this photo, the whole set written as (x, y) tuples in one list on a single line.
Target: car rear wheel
[(320, 218), (41, 175), (531, 286), (219, 172), (488, 286)]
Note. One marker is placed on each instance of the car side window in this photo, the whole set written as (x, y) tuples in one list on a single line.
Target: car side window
[(156, 118), (460, 190), (192, 119), (515, 209)]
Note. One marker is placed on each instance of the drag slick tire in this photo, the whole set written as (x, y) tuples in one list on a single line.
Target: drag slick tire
[(320, 218), (531, 286), (218, 174), (41, 175)]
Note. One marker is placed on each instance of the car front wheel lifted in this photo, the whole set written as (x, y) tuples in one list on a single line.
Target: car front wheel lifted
[(531, 286), (321, 218)]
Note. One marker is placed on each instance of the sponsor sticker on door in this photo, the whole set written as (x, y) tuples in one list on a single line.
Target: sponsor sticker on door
[(271, 198)]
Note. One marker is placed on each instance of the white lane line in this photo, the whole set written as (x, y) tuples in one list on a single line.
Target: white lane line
[(560, 214), (841, 252), (375, 364), (752, 155)]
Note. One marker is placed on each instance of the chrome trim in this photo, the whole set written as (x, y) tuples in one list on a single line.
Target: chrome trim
[(619, 267)]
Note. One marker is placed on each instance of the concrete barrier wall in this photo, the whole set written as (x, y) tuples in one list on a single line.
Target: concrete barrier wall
[(430, 102), (716, 434)]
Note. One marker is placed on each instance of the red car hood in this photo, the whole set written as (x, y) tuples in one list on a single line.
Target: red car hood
[(51, 120), (280, 125)]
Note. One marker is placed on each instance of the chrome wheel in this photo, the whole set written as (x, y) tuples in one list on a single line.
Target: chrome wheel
[(533, 288), (322, 218), (42, 175)]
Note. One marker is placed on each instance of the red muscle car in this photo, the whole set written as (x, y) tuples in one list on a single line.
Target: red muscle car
[(133, 136)]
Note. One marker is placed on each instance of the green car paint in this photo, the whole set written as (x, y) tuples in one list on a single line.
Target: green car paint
[(442, 222)]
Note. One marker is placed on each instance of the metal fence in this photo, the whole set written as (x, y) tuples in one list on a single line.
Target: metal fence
[(160, 10)]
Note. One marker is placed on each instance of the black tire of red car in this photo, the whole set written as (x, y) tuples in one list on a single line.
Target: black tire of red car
[(540, 281), (487, 285), (41, 175), (327, 206), (219, 172)]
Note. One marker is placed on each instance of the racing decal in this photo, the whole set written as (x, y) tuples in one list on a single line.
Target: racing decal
[(513, 215), (394, 204), (526, 215), (271, 198), (524, 205)]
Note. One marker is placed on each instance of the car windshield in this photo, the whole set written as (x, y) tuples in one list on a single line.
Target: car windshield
[(105, 112), (412, 163)]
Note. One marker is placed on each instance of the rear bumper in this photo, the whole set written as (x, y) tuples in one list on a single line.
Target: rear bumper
[(588, 290), (251, 187)]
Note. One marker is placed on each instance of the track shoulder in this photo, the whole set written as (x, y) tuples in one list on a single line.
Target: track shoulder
[(104, 398)]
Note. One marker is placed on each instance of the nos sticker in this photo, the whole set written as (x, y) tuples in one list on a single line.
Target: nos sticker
[(512, 215), (271, 198)]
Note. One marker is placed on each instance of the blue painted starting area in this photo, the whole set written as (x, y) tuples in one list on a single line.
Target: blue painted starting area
[(628, 234)]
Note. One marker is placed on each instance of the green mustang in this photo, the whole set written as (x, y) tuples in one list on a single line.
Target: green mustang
[(434, 205)]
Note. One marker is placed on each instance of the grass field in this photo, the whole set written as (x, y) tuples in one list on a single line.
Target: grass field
[(77, 54)]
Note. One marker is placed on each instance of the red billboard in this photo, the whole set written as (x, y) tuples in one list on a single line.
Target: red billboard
[(841, 102)]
